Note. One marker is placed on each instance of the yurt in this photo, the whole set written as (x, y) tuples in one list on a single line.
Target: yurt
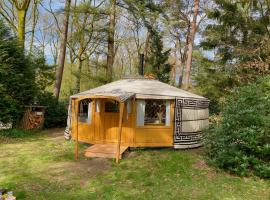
[(138, 112)]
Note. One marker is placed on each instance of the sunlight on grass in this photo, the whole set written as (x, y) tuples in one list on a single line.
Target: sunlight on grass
[(44, 168)]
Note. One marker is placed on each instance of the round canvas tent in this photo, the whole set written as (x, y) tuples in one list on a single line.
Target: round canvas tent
[(188, 112)]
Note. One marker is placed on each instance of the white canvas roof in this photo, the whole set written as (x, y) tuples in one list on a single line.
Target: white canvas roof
[(141, 88)]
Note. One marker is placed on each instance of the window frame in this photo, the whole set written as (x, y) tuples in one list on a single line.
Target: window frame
[(89, 118), (168, 112)]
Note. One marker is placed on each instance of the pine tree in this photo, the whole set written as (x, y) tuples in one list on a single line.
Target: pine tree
[(156, 63), (17, 77), (240, 36)]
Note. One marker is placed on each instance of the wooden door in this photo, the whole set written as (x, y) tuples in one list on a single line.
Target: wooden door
[(111, 120)]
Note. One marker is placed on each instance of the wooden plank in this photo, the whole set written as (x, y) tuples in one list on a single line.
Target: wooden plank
[(76, 103), (104, 151), (122, 105)]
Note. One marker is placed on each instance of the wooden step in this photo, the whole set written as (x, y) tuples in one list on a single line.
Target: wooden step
[(104, 151)]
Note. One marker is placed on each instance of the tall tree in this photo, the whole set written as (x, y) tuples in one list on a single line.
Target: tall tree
[(190, 44), (241, 42), (17, 77), (179, 17), (87, 35), (111, 33), (34, 23), (62, 54)]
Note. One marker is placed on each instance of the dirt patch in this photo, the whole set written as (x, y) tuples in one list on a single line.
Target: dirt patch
[(54, 132), (82, 169), (131, 154), (89, 166), (92, 165), (201, 165), (197, 151)]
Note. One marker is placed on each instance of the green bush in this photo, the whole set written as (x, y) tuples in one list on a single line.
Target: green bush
[(17, 77), (55, 113), (241, 142), (16, 133)]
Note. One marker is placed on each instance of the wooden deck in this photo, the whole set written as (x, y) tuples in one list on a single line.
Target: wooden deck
[(104, 151)]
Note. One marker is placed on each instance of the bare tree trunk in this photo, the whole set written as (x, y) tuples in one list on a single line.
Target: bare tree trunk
[(34, 23), (18, 25), (183, 56), (62, 54), (22, 8), (78, 80), (80, 62), (146, 48), (174, 65), (147, 43), (81, 50), (111, 32), (190, 44), (21, 26)]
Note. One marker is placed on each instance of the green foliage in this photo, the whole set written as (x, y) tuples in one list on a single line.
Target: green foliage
[(239, 35), (16, 133), (213, 81), (55, 113), (17, 75), (47, 161), (44, 73), (157, 61), (21, 77), (241, 143)]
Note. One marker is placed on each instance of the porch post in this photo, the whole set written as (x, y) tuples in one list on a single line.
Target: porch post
[(77, 130), (122, 104)]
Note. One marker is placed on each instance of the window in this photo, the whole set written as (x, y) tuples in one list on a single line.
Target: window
[(111, 106), (85, 111), (128, 106), (153, 112)]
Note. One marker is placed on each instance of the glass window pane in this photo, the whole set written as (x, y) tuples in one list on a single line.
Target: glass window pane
[(84, 110), (112, 106), (155, 112)]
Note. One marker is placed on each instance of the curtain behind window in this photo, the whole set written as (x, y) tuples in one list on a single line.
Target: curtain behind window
[(140, 112), (90, 112), (168, 113)]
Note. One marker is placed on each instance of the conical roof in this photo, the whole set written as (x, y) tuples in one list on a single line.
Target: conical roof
[(141, 88)]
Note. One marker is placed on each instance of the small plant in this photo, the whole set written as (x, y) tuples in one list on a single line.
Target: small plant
[(241, 142), (16, 133)]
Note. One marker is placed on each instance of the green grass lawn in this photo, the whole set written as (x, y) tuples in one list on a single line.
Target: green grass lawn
[(42, 166)]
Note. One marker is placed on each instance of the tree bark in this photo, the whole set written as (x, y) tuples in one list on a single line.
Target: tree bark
[(62, 54), (190, 45), (21, 26), (81, 50), (34, 23), (78, 80), (174, 65), (111, 33), (21, 8)]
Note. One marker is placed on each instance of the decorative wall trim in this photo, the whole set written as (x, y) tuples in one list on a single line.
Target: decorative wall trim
[(187, 139), (193, 103)]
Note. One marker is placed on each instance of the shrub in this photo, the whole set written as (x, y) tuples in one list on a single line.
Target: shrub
[(241, 142), (17, 77), (16, 133), (55, 113)]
